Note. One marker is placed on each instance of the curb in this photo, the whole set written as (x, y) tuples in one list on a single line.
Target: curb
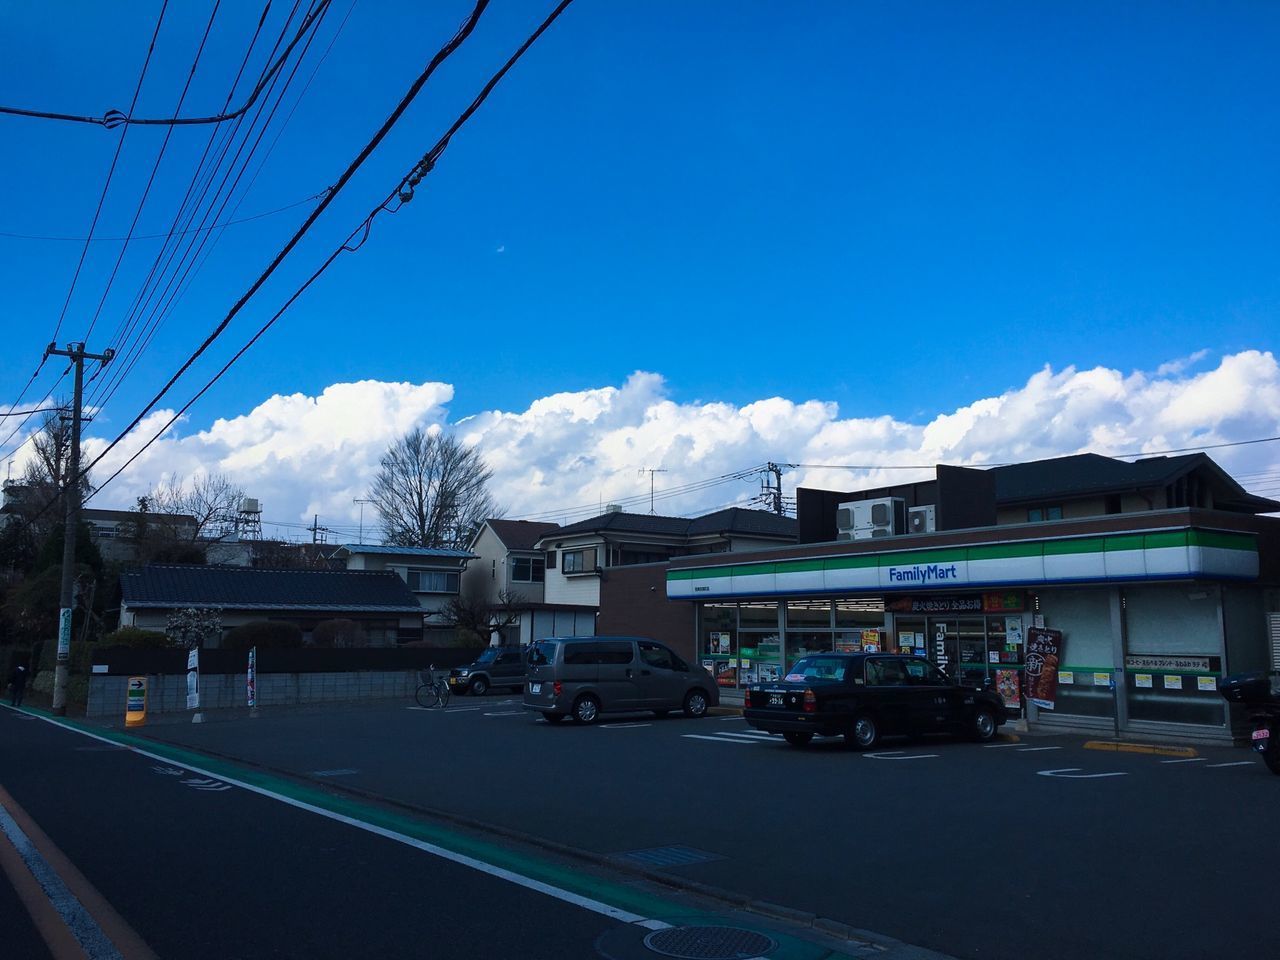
[(866, 940), (1113, 746)]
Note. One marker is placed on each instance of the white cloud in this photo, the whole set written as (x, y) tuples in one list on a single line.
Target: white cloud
[(1180, 365), (305, 455), (502, 248)]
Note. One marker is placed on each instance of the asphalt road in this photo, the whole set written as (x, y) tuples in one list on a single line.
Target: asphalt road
[(1034, 848)]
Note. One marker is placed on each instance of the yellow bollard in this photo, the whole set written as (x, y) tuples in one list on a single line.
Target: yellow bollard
[(135, 702)]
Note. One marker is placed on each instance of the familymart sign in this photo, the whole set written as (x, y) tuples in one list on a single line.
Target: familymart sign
[(1163, 555)]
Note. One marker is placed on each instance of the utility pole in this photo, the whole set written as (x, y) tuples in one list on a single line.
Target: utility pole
[(316, 530), (71, 492), (362, 503), (774, 490), (651, 471)]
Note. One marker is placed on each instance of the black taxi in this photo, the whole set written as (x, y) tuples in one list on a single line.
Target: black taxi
[(863, 696)]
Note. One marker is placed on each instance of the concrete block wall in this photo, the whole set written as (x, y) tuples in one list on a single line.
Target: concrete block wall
[(168, 694)]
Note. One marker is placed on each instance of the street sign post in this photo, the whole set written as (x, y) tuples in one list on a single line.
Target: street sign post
[(135, 702)]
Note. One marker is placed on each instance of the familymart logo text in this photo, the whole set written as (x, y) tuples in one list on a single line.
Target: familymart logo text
[(924, 573)]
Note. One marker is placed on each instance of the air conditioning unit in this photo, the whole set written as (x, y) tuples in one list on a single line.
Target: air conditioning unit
[(870, 519), (922, 519)]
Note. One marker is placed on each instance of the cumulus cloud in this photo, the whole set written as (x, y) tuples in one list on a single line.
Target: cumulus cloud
[(1181, 364), (567, 454)]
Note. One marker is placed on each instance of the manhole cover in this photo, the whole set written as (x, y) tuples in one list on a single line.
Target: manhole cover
[(709, 943)]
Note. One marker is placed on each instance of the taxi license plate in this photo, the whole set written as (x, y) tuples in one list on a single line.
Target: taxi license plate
[(535, 688), (775, 699)]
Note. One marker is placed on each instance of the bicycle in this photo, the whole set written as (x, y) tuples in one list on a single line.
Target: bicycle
[(432, 691)]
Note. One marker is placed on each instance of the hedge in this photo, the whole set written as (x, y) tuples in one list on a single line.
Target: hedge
[(265, 635)]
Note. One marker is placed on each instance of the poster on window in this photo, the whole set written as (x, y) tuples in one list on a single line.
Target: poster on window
[(1044, 648), (1009, 686), (1013, 631), (727, 673)]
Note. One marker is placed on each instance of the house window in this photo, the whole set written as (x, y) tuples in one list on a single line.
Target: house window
[(580, 561), (432, 581), (528, 569), (551, 559), (1041, 514)]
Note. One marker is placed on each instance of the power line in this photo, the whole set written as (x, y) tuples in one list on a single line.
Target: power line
[(155, 168), (114, 118), (464, 31), (165, 236), (110, 171), (415, 176)]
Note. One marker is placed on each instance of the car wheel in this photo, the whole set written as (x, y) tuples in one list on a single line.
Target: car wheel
[(798, 739), (695, 704), (586, 709), (553, 717), (662, 714), (865, 733), (983, 727), (479, 686)]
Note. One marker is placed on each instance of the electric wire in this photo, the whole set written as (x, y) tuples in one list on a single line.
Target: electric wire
[(111, 171), (419, 171), (132, 341), (453, 44), (115, 118), (155, 168)]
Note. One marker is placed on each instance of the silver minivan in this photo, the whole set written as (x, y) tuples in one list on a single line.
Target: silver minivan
[(583, 677)]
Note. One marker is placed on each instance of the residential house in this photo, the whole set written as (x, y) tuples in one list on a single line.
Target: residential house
[(433, 576), (379, 601)]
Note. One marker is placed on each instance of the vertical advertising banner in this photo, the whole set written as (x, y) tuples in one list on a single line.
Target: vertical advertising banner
[(193, 678), (251, 678), (1044, 649)]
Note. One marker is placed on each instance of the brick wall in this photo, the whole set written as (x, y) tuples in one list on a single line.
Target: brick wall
[(633, 601)]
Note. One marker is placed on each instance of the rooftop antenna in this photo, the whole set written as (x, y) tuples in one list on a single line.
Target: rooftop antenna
[(651, 471)]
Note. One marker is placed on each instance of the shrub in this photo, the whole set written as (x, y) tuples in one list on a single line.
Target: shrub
[(136, 638), (265, 635), (339, 633), (80, 658)]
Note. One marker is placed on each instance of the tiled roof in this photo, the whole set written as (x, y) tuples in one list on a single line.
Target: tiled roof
[(420, 552), (734, 520), (247, 588), (520, 534)]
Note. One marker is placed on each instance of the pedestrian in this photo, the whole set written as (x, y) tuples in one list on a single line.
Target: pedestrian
[(17, 684)]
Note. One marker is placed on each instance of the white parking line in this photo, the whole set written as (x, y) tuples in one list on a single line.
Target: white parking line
[(1237, 763), (899, 755), (727, 739), (623, 726), (1187, 760), (998, 746), (1036, 749), (506, 713), (1073, 773)]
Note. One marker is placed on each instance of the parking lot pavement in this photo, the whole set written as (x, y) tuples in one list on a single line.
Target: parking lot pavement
[(960, 847)]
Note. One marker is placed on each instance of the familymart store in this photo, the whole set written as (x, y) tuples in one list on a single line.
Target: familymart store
[(1115, 629)]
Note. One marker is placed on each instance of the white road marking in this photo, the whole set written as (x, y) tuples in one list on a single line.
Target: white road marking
[(1187, 760), (733, 719), (1237, 763), (898, 755), (340, 772), (998, 746), (623, 726), (506, 713), (698, 736), (1072, 773), (1036, 749), (501, 873)]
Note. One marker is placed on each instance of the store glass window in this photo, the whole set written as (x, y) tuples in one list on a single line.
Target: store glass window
[(808, 615), (859, 614), (1087, 656), (758, 616), (805, 644)]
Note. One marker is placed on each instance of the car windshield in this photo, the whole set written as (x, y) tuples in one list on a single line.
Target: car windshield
[(488, 656), (542, 653), (818, 668)]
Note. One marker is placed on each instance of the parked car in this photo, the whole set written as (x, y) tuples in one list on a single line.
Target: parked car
[(584, 677), (496, 667), (864, 696)]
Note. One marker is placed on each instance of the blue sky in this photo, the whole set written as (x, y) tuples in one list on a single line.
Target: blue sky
[(896, 208)]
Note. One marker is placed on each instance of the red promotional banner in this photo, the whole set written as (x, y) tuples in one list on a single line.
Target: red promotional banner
[(1044, 648)]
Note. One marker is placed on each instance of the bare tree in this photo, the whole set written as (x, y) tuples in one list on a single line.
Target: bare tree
[(46, 474), (210, 500), (472, 613), (431, 491)]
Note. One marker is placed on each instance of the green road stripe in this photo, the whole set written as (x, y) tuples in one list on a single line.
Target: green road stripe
[(620, 896)]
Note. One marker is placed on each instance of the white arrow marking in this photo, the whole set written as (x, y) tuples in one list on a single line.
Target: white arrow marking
[(1071, 773), (897, 755)]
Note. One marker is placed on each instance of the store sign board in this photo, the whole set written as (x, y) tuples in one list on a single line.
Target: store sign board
[(959, 603), (1170, 664), (1184, 553)]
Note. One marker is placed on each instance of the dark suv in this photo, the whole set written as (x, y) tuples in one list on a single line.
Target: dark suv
[(496, 667)]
